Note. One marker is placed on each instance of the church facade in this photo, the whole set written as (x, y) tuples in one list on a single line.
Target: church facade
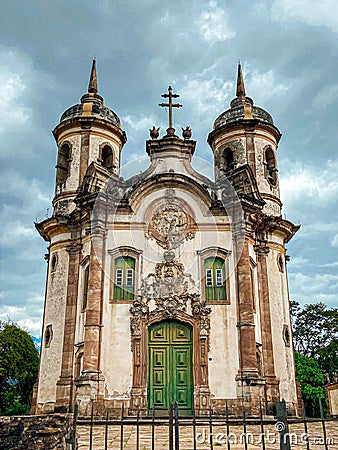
[(167, 286)]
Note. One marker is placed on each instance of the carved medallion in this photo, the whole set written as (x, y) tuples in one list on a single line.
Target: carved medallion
[(170, 226)]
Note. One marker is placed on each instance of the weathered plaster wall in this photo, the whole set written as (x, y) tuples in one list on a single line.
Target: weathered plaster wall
[(51, 357), (280, 316)]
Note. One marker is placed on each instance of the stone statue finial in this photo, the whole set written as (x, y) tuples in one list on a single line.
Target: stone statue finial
[(186, 132), (154, 132)]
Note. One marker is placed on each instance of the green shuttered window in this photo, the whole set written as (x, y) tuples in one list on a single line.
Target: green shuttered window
[(215, 288), (124, 278)]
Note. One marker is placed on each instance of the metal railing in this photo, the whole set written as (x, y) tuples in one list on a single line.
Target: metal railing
[(208, 432)]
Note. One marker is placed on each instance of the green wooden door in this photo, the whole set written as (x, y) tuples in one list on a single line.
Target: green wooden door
[(170, 366)]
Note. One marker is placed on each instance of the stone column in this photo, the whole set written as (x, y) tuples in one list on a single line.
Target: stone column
[(64, 386), (250, 386), (90, 383), (272, 384), (246, 324)]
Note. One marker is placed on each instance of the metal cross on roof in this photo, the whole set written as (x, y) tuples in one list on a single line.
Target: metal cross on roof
[(170, 105)]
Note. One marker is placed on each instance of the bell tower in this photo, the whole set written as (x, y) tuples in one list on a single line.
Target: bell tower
[(244, 142), (88, 132), (243, 135), (89, 139)]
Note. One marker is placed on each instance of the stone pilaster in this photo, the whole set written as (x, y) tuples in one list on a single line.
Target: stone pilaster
[(64, 387), (271, 382), (90, 383), (250, 386), (246, 324)]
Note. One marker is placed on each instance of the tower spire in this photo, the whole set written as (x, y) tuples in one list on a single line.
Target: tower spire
[(240, 91), (93, 86)]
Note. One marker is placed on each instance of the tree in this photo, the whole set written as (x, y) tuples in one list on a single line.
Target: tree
[(314, 327), (19, 360), (328, 360), (315, 334), (311, 379)]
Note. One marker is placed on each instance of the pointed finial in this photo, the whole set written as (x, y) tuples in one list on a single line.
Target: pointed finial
[(93, 86), (240, 91)]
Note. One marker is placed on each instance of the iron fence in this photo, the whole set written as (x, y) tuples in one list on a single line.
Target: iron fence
[(174, 432)]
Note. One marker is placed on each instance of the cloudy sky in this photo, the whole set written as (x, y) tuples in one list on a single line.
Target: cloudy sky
[(289, 53)]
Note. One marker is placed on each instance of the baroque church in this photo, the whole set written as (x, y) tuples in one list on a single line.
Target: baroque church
[(167, 286)]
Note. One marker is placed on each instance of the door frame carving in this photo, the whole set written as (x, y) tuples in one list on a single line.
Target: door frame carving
[(141, 319)]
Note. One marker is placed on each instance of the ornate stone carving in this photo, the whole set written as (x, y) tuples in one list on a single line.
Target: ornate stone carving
[(168, 280), (201, 312), (171, 289), (168, 293), (168, 226), (138, 311)]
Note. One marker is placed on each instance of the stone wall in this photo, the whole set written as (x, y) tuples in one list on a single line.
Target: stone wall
[(36, 432)]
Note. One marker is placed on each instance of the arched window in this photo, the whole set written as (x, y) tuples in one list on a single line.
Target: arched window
[(271, 169), (85, 288), (124, 278), (107, 157), (227, 159), (214, 272), (62, 167)]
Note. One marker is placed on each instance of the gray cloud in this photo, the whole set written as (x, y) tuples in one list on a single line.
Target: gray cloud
[(289, 53)]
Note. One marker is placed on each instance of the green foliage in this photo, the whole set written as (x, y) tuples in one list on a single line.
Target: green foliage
[(315, 334), (19, 360), (311, 379), (310, 376), (314, 327), (328, 360)]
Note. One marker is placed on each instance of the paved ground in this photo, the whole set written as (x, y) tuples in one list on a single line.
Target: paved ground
[(296, 432)]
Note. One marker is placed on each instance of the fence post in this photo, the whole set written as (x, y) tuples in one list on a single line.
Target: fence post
[(138, 429), (245, 430), (227, 423), (177, 431), (282, 426), (305, 427), (171, 427), (76, 413), (121, 432), (210, 430), (91, 426), (262, 425), (153, 429), (106, 431), (323, 423), (194, 426)]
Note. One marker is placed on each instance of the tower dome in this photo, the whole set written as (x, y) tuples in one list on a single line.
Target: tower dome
[(88, 134), (242, 107), (92, 105), (245, 137)]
